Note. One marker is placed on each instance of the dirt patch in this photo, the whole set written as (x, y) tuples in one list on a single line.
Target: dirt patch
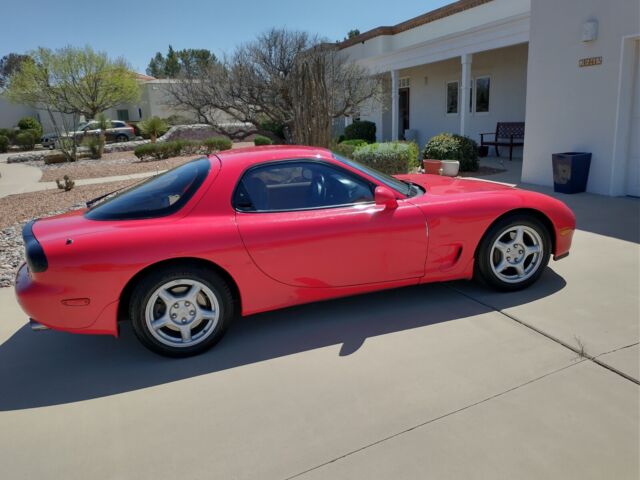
[(25, 206), (117, 163)]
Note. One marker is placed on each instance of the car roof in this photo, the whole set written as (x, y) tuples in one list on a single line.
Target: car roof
[(255, 155)]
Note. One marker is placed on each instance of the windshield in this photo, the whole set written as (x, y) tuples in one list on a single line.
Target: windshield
[(405, 188), (157, 197)]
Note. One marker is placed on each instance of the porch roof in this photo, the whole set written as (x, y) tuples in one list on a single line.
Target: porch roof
[(463, 27)]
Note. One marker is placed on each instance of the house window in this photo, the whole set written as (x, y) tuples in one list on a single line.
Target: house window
[(452, 97), (123, 115), (404, 82), (483, 87)]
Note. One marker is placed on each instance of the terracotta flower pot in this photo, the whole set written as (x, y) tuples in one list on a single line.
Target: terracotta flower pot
[(433, 167)]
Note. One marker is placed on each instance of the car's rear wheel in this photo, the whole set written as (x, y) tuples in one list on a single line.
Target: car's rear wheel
[(122, 138), (180, 312), (513, 253)]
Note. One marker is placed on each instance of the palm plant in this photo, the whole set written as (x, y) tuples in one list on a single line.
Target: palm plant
[(153, 127)]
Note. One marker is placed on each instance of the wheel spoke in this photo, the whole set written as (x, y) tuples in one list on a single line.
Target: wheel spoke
[(501, 246), (167, 297), (160, 322), (192, 294), (501, 266), (185, 332), (519, 235), (204, 314), (531, 250), (520, 269)]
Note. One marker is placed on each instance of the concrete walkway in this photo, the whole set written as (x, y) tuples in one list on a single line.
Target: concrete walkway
[(18, 178)]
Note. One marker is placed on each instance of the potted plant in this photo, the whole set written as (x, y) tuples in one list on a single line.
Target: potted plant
[(431, 166), (454, 152)]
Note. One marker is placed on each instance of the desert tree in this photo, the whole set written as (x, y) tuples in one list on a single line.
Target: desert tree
[(10, 64), (284, 77), (71, 82)]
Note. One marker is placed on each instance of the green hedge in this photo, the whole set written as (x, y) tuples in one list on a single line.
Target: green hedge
[(347, 147), (26, 139), (216, 144), (361, 129), (4, 143), (262, 140), (30, 123), (164, 150), (391, 157), (449, 146)]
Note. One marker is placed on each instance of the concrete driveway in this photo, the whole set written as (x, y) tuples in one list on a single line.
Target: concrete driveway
[(439, 381)]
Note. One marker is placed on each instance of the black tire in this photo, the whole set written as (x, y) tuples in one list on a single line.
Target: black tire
[(144, 290), (122, 138), (485, 254)]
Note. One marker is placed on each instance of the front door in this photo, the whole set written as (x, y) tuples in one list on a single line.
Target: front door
[(314, 224), (403, 111)]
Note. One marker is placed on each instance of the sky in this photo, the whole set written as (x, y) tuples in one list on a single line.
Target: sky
[(137, 29)]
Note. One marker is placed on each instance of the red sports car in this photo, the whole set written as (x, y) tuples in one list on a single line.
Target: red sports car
[(251, 230)]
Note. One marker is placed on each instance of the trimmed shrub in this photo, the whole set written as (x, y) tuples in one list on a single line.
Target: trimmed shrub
[(4, 143), (356, 142), (26, 140), (144, 151), (30, 123), (10, 133), (262, 140), (414, 154), (449, 146), (273, 127), (390, 158), (347, 147), (217, 144), (361, 129)]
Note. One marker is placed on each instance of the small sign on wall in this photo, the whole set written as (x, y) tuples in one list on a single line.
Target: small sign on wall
[(590, 62)]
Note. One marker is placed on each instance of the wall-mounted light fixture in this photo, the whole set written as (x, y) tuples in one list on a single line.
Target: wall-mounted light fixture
[(590, 31)]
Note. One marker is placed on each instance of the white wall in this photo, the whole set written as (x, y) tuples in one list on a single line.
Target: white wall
[(571, 108), (11, 113)]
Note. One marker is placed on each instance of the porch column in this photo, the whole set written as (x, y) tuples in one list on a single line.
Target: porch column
[(395, 116), (465, 85)]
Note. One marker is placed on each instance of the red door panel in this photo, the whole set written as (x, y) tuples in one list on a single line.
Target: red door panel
[(337, 247)]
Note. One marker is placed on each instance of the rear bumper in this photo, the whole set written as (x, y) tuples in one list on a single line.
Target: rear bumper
[(43, 303)]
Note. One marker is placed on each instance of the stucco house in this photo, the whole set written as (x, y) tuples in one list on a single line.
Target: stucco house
[(569, 69)]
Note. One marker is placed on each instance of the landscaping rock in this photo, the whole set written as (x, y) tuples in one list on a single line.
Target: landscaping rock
[(123, 146)]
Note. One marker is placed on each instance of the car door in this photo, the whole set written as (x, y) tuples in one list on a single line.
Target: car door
[(314, 224)]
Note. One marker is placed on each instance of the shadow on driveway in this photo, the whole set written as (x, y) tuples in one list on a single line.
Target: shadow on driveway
[(52, 368)]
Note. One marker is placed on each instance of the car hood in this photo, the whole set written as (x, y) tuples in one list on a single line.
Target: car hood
[(441, 185)]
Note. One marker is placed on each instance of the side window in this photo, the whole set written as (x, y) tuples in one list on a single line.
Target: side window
[(284, 186)]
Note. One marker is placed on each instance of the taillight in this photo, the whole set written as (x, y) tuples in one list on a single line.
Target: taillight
[(36, 259)]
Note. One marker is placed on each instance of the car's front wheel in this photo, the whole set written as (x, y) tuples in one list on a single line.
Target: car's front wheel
[(180, 312), (513, 253)]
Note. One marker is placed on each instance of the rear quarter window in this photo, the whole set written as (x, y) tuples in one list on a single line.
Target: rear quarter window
[(159, 196)]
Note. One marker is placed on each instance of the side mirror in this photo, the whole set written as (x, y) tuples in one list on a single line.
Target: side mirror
[(384, 196)]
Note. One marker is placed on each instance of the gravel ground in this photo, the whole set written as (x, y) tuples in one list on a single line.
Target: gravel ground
[(118, 163), (16, 210)]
